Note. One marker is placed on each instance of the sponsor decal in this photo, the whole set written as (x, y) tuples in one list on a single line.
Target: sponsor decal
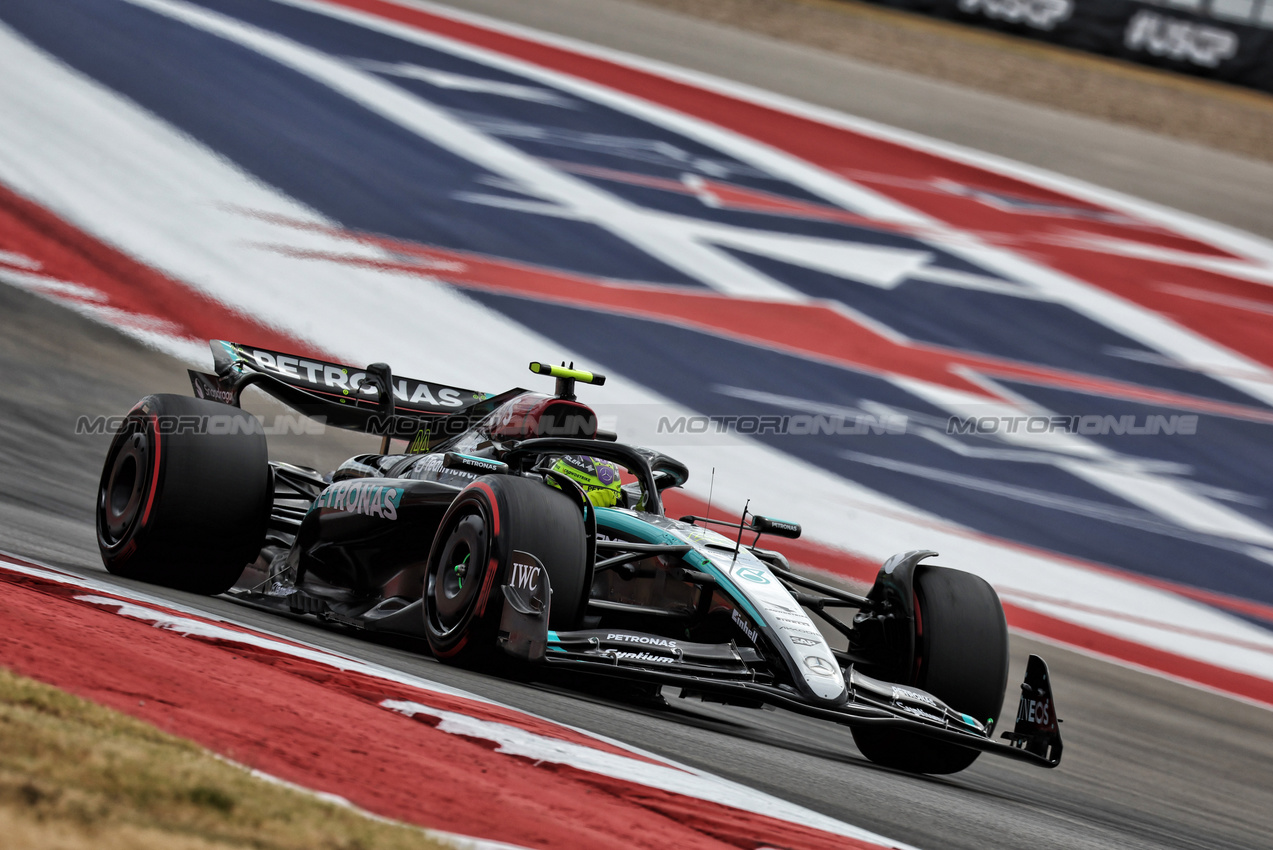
[(642, 656), (214, 394), (647, 640), (819, 666), (804, 629), (802, 641), (920, 712), (340, 378), (755, 575), (1035, 711), (206, 387), (1037, 14), (482, 463), (802, 623), (606, 474), (913, 696), (361, 497), (436, 466), (751, 631), (1181, 40), (525, 570)]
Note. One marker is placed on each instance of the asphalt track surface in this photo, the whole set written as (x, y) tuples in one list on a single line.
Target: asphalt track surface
[(1148, 763)]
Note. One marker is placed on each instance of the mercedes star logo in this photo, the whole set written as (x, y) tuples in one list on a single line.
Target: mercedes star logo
[(819, 665)]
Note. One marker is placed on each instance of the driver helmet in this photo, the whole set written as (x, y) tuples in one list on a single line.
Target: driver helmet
[(598, 478)]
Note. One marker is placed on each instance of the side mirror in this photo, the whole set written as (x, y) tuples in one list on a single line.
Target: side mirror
[(776, 527), (668, 471)]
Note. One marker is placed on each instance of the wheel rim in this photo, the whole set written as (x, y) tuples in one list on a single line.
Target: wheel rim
[(124, 489), (456, 580)]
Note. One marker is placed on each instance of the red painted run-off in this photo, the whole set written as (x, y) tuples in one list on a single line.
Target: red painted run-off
[(324, 728), (90, 275)]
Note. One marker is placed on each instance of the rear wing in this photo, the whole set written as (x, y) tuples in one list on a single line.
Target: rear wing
[(372, 400)]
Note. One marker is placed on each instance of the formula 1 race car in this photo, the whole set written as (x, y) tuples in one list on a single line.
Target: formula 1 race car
[(513, 535)]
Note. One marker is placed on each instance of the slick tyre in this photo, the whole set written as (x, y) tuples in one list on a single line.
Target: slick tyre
[(470, 557), (961, 657), (185, 494)]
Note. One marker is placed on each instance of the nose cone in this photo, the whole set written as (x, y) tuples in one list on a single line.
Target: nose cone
[(822, 674)]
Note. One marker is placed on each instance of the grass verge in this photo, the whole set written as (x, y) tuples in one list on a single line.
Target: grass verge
[(75, 775)]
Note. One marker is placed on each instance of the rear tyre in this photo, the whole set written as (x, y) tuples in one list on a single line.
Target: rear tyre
[(469, 561), (961, 658), (184, 499)]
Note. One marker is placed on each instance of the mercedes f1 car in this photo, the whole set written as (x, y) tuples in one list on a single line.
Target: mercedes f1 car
[(474, 538)]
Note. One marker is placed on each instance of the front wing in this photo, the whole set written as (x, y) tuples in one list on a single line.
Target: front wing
[(723, 672), (731, 673)]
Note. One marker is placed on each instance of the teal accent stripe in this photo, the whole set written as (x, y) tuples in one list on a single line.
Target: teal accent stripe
[(612, 518), (552, 638)]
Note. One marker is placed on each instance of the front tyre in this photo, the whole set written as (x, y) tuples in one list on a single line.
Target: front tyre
[(185, 494), (471, 555), (961, 657)]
